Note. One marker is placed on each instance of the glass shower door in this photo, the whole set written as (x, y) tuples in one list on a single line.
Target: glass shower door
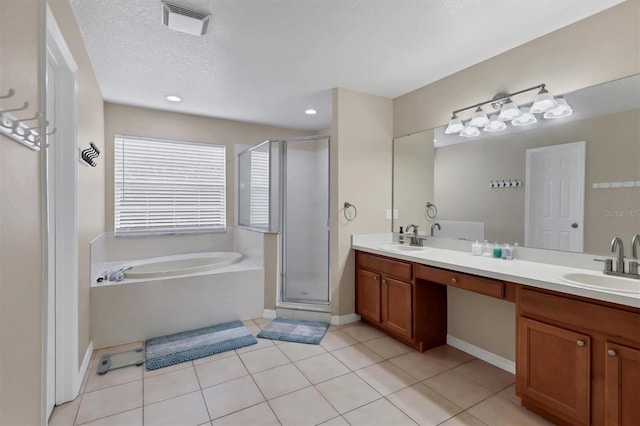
[(305, 221)]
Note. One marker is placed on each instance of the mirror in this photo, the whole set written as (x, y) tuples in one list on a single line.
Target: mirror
[(456, 174)]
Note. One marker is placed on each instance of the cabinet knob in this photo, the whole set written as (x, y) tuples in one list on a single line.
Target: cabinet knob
[(384, 281), (611, 352), (375, 278), (454, 280), (580, 343)]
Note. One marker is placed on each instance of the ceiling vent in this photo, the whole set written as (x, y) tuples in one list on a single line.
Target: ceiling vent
[(183, 19)]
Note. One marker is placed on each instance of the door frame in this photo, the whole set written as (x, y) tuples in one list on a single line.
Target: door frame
[(62, 154), (581, 147)]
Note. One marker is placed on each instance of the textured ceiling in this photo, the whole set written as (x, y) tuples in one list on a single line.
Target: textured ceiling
[(266, 61)]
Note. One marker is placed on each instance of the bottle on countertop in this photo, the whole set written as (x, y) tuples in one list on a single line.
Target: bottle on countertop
[(487, 249), (476, 248), (497, 251), (401, 236), (507, 252)]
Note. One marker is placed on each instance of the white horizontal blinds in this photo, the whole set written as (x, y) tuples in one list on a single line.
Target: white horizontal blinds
[(259, 199), (168, 186)]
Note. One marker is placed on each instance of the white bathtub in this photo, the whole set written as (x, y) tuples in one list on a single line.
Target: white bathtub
[(183, 264)]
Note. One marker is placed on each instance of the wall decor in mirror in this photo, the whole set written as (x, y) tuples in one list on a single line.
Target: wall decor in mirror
[(579, 176)]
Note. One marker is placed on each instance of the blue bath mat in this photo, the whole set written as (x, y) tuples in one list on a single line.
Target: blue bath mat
[(189, 345), (298, 331)]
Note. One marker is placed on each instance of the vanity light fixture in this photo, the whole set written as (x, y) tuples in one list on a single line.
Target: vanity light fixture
[(543, 102), (173, 98)]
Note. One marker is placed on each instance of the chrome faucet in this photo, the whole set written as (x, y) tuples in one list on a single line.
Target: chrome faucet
[(435, 225), (633, 265), (415, 239), (616, 244)]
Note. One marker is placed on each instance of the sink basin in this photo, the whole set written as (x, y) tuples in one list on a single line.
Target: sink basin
[(400, 247), (604, 282)]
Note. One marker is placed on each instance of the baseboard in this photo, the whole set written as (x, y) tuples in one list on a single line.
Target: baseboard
[(344, 319), (269, 313), (478, 352), (84, 366)]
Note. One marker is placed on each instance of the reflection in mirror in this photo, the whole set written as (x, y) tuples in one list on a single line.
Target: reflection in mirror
[(606, 119)]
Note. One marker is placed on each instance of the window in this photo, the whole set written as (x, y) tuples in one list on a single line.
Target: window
[(259, 202), (164, 186)]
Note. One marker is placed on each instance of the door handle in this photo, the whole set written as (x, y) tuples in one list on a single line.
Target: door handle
[(574, 225)]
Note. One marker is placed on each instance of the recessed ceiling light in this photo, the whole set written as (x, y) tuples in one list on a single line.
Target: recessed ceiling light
[(311, 112), (174, 98)]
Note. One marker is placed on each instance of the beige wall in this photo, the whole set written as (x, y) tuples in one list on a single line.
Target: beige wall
[(601, 48), (91, 209), (361, 147), (135, 121), (612, 152), (21, 275)]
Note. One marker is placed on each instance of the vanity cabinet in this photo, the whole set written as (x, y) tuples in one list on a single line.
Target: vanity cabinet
[(578, 360), (396, 303), (368, 295)]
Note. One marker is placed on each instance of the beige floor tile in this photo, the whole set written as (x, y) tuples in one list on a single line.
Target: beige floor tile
[(214, 357), (363, 332), (303, 407), (336, 421), (169, 369), (262, 322), (232, 396), (510, 394), (417, 365), (322, 367), (298, 351), (463, 419), (97, 381), (357, 356), (386, 378), (424, 405), (65, 414), (262, 344), (109, 401), (185, 410), (387, 347), (252, 327), (347, 392), (128, 418), (220, 371), (258, 415), (263, 359), (280, 380), (380, 412), (448, 356), (170, 385), (458, 389), (486, 375), (499, 411), (336, 340)]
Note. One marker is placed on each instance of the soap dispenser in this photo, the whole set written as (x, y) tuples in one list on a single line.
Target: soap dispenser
[(476, 249), (401, 236)]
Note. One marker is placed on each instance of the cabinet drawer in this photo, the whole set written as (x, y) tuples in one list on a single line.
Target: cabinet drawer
[(611, 321), (487, 286), (390, 267)]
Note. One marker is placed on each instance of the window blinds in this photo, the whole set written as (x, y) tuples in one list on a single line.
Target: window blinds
[(166, 186), (259, 199)]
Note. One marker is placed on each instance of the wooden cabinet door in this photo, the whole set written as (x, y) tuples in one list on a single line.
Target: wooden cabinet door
[(622, 385), (368, 295), (397, 302), (554, 369)]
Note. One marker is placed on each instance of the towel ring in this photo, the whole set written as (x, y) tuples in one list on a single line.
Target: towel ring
[(347, 206), (432, 210)]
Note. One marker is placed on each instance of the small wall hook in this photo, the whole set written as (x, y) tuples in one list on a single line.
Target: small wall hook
[(9, 94), (25, 106), (35, 117)]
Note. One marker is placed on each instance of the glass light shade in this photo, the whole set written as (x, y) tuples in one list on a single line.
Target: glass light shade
[(470, 131), (494, 125), (509, 111), (543, 102), (479, 118), (525, 119), (455, 126), (561, 110)]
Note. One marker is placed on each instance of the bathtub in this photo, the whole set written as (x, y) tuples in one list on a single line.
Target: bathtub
[(183, 264)]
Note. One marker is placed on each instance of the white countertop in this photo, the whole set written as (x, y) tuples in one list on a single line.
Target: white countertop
[(534, 274)]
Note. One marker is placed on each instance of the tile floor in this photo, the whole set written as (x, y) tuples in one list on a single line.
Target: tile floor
[(357, 376)]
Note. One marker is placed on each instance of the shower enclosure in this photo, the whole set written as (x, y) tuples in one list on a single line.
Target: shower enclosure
[(283, 186)]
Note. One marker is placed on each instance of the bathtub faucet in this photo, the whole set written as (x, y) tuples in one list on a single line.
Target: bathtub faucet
[(119, 274)]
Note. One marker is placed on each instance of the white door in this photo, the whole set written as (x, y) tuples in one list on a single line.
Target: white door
[(554, 211)]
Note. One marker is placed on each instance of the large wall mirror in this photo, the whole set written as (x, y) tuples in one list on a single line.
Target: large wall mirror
[(569, 184)]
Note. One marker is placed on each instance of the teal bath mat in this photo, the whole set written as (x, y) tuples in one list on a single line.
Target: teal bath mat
[(189, 345), (298, 331)]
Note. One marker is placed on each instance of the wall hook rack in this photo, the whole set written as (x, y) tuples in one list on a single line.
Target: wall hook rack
[(16, 129), (87, 155), (505, 183), (347, 206)]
